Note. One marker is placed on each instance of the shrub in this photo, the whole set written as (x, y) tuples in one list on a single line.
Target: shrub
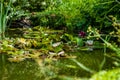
[(72, 14), (101, 12), (31, 5), (77, 13), (49, 19)]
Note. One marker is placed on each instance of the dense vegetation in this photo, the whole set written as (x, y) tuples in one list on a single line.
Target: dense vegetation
[(46, 31)]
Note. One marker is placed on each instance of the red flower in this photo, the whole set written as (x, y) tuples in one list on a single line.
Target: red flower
[(82, 34)]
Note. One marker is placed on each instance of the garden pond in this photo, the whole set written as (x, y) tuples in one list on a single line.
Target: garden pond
[(39, 54)]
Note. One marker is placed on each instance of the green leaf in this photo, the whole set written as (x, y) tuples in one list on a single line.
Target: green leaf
[(79, 41)]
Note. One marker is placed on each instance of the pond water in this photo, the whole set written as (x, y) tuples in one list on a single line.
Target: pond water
[(30, 70)]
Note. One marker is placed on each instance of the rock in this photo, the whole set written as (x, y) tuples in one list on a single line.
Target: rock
[(21, 23)]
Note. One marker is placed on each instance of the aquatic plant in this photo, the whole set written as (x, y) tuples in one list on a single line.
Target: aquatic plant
[(37, 42)]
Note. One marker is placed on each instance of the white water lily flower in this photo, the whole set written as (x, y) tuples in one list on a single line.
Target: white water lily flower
[(89, 42)]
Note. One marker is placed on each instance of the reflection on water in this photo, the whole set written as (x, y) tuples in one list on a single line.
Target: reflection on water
[(29, 69)]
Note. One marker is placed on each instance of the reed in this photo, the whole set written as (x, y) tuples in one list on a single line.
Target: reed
[(4, 17)]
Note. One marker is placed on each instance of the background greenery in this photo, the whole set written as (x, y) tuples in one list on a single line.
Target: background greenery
[(75, 15), (57, 22)]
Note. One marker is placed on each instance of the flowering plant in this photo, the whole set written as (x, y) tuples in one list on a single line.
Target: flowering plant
[(82, 34)]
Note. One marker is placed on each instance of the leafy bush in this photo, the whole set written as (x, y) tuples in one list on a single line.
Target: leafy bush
[(49, 19), (107, 75), (76, 13), (31, 5), (72, 14), (80, 14)]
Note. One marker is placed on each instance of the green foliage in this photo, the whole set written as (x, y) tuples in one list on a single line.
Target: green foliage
[(49, 19), (70, 15), (79, 41), (74, 15), (77, 13), (8, 13), (116, 26), (102, 10), (36, 42), (80, 14), (4, 8), (31, 5), (107, 75)]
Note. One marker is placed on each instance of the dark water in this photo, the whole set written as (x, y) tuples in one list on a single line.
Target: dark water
[(89, 59), (29, 69)]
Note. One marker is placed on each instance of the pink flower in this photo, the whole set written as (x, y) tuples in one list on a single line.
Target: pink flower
[(82, 34)]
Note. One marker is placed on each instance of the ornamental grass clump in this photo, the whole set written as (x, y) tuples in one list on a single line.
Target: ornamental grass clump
[(4, 8)]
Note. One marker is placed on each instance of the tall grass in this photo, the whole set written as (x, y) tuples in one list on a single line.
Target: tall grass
[(3, 17)]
